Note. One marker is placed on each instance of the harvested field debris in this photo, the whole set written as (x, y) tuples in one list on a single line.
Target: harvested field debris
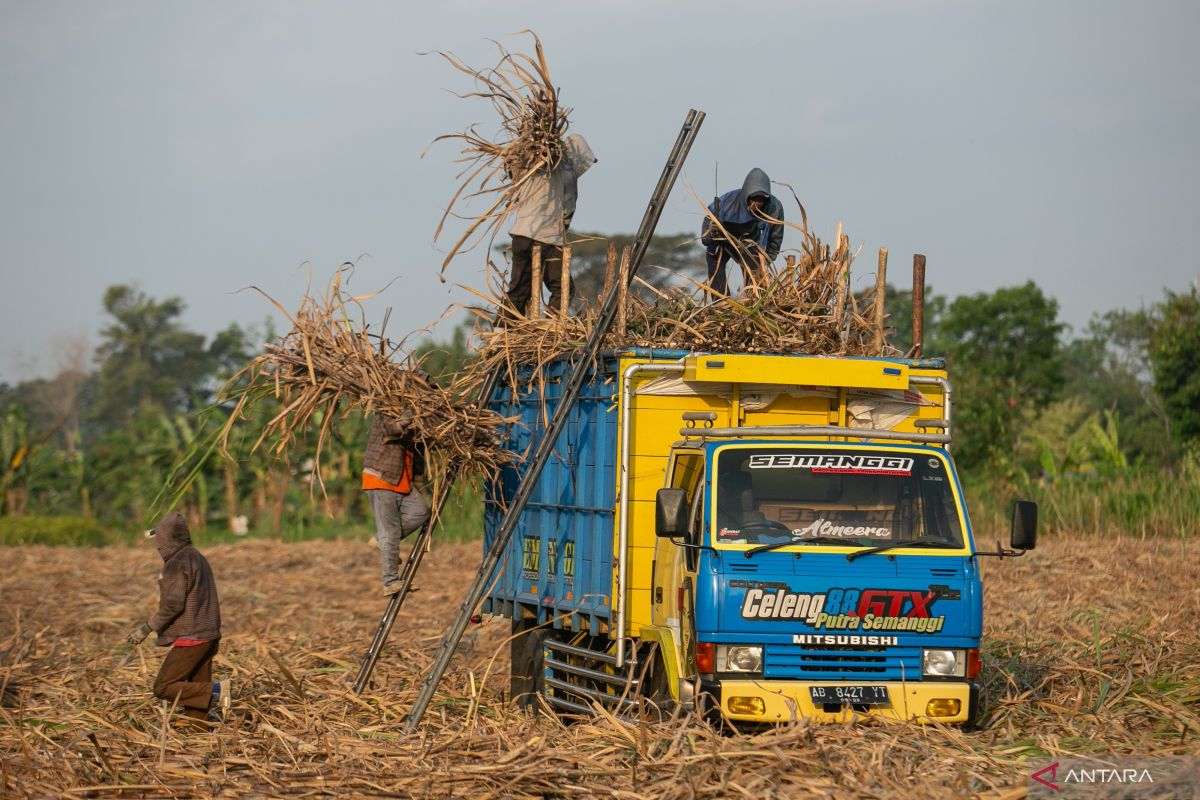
[(1091, 648)]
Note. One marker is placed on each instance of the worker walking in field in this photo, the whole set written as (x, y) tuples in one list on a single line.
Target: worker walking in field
[(543, 210), (391, 464), (750, 231), (188, 621)]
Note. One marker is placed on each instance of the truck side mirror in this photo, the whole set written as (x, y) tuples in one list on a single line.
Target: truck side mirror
[(1024, 525), (671, 513)]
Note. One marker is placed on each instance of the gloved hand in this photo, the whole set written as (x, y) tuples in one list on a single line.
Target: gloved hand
[(139, 634)]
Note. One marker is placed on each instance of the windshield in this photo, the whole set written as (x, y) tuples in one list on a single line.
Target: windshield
[(767, 495)]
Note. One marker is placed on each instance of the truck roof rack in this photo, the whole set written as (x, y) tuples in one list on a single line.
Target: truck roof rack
[(931, 362), (755, 431)]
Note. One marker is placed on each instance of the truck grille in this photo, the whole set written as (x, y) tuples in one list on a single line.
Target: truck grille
[(845, 662)]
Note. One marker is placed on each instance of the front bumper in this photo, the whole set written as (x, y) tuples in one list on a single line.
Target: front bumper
[(787, 701)]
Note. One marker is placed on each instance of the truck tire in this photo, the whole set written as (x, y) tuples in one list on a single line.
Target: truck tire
[(655, 691), (528, 673), (976, 708)]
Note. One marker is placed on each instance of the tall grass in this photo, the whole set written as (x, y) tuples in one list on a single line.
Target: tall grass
[(1138, 503), (462, 521)]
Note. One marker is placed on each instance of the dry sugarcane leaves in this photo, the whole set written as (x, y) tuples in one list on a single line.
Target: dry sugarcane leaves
[(1064, 673), (328, 364)]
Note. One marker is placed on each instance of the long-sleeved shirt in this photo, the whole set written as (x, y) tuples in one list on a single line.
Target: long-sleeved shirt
[(546, 202), (188, 605)]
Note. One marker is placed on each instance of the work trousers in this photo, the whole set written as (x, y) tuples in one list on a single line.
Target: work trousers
[(396, 516), (186, 678), (520, 281), (718, 254)]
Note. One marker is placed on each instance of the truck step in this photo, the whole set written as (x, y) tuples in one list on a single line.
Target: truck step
[(581, 652), (592, 694), (584, 672)]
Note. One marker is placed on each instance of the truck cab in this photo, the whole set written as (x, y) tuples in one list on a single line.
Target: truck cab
[(817, 579)]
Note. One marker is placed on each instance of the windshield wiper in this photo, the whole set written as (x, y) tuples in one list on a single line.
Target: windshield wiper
[(892, 545), (762, 548)]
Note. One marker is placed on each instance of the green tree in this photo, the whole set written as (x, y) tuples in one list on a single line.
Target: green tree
[(1109, 370), (1005, 358), (667, 256), (1175, 353), (31, 471), (897, 304), (444, 360), (146, 358)]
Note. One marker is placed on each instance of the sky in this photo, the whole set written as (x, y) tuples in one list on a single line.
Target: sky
[(195, 149)]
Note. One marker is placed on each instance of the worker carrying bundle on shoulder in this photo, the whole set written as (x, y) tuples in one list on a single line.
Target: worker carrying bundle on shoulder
[(391, 465), (750, 231), (543, 209)]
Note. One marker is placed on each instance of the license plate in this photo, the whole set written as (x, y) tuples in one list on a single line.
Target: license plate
[(849, 695)]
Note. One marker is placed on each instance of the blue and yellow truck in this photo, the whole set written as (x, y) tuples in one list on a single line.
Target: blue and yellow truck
[(773, 537)]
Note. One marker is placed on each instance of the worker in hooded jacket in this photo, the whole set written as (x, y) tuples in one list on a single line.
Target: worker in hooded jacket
[(542, 209), (750, 231), (188, 621)]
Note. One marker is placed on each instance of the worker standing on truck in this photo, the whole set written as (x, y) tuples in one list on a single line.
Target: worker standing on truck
[(391, 464), (543, 208), (188, 621), (750, 231)]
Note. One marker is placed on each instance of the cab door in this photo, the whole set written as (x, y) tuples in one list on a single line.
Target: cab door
[(675, 566)]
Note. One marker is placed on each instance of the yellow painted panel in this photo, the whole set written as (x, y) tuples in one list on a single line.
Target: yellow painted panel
[(638, 611), (641, 524), (654, 429), (789, 410), (647, 475), (639, 570), (668, 647), (812, 371), (678, 403)]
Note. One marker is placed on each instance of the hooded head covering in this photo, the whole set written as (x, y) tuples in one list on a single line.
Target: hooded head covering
[(170, 535), (756, 184), (734, 205)]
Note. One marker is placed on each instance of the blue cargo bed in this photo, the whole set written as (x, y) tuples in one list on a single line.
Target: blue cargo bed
[(558, 565)]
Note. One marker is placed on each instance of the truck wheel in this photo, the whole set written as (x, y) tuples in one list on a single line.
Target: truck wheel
[(655, 688), (976, 706), (528, 675)]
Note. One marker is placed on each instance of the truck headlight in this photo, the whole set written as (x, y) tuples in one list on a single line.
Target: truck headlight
[(739, 658), (944, 663)]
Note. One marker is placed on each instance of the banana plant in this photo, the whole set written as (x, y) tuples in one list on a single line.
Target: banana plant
[(14, 449)]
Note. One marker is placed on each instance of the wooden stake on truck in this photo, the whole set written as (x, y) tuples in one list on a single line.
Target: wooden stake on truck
[(570, 391), (918, 306), (880, 294), (535, 297), (610, 267), (564, 299)]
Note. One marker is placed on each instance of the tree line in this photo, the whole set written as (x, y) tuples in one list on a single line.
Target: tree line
[(1033, 401)]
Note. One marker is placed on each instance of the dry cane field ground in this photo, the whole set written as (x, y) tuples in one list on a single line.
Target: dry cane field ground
[(1092, 648)]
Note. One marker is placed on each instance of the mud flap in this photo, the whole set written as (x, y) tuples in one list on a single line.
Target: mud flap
[(528, 673)]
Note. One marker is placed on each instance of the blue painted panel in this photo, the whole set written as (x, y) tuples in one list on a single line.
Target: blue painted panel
[(562, 545), (909, 603)]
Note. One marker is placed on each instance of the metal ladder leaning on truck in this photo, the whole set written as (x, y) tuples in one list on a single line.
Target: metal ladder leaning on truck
[(772, 537)]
